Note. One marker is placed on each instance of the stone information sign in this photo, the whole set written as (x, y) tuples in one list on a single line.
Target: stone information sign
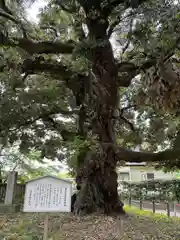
[(48, 194)]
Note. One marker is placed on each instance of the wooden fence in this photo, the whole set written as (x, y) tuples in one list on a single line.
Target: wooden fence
[(19, 192)]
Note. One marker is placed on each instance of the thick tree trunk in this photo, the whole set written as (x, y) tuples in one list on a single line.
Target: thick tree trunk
[(97, 173), (99, 187)]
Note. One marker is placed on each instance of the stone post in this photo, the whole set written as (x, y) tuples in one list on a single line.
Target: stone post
[(10, 188)]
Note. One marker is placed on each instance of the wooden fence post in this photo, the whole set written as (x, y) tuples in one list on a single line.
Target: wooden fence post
[(140, 204), (154, 206), (140, 201), (174, 205), (130, 199), (168, 209)]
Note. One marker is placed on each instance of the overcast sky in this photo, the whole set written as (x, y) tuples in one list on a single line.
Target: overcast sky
[(34, 10)]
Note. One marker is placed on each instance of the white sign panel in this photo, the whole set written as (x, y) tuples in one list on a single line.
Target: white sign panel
[(48, 194)]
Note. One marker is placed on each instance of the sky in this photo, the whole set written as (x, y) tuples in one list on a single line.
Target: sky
[(34, 10)]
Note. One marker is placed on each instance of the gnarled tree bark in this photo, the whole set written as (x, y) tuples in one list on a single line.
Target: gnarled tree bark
[(97, 172)]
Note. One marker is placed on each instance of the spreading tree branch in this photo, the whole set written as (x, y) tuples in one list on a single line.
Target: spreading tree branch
[(127, 155), (138, 157), (35, 47)]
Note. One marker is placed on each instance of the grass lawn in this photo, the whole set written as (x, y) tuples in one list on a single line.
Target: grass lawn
[(148, 213), (139, 225)]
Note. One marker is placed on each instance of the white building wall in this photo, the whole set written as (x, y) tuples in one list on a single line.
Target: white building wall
[(161, 175), (139, 173)]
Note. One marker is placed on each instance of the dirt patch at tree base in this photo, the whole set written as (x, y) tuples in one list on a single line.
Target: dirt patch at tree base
[(68, 227)]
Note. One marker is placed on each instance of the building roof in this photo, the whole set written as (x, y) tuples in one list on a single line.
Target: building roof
[(49, 176)]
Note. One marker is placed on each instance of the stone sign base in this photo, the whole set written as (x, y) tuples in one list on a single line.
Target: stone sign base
[(13, 208)]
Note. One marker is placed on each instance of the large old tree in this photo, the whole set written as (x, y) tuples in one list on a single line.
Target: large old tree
[(104, 65)]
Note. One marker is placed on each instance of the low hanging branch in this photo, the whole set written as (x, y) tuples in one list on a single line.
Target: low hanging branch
[(138, 157)]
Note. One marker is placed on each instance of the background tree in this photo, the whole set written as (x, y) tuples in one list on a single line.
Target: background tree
[(28, 165), (65, 68)]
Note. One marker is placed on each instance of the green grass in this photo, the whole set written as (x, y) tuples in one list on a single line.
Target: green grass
[(148, 213)]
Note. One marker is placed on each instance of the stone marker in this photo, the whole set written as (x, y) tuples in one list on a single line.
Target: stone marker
[(10, 189)]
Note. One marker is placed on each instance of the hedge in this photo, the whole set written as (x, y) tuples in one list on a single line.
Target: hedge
[(162, 190)]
